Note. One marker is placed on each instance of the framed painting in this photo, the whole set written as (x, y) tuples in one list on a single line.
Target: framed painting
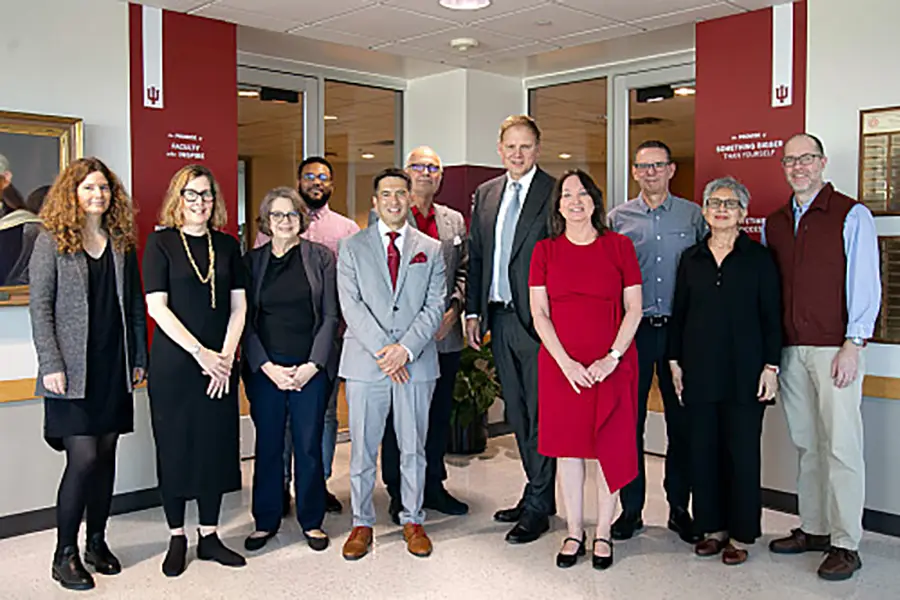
[(34, 149)]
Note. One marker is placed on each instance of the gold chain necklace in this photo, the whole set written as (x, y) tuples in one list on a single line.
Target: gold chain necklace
[(210, 273)]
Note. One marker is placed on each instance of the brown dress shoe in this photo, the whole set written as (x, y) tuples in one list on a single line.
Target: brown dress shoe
[(709, 547), (358, 544), (733, 556), (417, 541), (840, 564), (799, 541)]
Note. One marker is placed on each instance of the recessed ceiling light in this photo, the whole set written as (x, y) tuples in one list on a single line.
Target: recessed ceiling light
[(465, 4), (685, 91), (565, 155), (543, 23), (367, 156), (330, 118)]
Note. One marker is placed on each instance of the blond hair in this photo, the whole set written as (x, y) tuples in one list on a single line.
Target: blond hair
[(523, 121), (172, 214)]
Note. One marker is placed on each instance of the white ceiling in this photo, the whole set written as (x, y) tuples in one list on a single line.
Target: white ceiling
[(508, 30)]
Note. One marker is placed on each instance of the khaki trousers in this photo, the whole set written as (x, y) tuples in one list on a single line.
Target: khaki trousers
[(826, 427)]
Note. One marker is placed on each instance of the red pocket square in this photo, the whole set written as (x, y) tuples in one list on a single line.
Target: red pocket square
[(419, 258)]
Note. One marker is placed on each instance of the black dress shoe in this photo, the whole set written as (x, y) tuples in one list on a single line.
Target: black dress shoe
[(564, 561), (626, 526), (443, 502), (254, 543), (394, 509), (317, 543), (681, 523), (210, 547), (285, 502), (176, 557), (528, 529), (98, 555), (510, 515), (68, 570), (601, 563), (332, 504)]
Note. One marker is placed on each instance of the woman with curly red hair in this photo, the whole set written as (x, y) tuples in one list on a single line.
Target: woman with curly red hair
[(87, 316)]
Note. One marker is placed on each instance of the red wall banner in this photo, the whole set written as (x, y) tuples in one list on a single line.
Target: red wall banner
[(196, 88), (751, 97)]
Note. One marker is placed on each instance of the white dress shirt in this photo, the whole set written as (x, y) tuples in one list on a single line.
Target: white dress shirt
[(508, 192)]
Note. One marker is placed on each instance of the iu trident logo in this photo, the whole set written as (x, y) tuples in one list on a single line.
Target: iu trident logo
[(782, 92), (153, 95)]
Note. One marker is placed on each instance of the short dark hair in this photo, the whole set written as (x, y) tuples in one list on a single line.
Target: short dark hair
[(654, 144), (310, 160), (598, 217), (391, 172)]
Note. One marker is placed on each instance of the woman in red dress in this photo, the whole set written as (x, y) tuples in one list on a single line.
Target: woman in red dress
[(586, 302)]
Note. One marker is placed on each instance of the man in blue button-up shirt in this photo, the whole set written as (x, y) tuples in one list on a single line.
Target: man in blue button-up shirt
[(661, 226)]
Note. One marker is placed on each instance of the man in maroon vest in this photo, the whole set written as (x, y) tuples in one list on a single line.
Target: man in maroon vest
[(826, 248)]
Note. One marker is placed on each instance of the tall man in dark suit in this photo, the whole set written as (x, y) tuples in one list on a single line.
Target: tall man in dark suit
[(509, 217)]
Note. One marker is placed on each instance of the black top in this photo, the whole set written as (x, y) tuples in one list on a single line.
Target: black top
[(286, 320), (726, 321)]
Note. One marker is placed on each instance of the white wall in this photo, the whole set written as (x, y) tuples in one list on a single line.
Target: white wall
[(490, 99), (850, 67), (52, 65)]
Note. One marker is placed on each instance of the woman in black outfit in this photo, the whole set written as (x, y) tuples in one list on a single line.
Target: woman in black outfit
[(195, 293), (724, 350), (90, 333), (289, 351)]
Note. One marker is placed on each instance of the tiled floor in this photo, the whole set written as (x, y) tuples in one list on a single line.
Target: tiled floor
[(471, 560)]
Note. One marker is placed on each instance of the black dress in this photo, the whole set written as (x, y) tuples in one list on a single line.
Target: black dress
[(107, 406), (197, 437)]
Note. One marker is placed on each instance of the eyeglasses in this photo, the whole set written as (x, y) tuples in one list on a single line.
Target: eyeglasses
[(419, 168), (323, 177), (656, 165), (190, 196), (803, 160), (729, 203), (278, 216)]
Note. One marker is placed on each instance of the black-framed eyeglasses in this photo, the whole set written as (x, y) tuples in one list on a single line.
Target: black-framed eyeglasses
[(803, 160), (278, 216), (420, 168), (729, 203), (656, 165), (323, 177), (191, 196)]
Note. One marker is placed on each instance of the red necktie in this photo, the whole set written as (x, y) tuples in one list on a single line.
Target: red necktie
[(393, 256)]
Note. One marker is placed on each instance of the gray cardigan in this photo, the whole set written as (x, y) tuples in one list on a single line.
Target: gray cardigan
[(59, 314), (318, 263)]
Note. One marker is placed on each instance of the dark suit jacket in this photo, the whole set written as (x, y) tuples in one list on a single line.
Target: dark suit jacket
[(726, 321), (318, 262), (531, 227)]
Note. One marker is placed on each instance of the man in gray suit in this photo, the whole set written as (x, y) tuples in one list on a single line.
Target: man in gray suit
[(392, 285), (448, 226)]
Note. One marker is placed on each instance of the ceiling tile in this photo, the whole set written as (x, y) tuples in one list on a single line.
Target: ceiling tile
[(298, 12), (629, 10), (488, 41), (544, 22), (384, 23), (515, 52), (446, 56), (432, 8), (712, 11), (336, 37), (242, 17), (756, 4), (594, 35)]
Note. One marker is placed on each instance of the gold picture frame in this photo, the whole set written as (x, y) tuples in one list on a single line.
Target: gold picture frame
[(42, 162)]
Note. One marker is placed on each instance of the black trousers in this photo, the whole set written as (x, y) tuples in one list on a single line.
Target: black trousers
[(438, 432), (515, 355), (651, 348), (725, 468)]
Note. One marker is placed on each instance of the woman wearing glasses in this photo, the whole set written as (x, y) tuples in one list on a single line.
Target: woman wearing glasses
[(289, 359), (724, 350), (195, 283)]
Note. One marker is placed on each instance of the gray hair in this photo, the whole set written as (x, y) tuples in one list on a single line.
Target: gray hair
[(4, 164), (266, 205), (727, 183)]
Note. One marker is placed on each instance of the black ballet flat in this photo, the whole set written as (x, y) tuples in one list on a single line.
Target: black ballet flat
[(564, 561), (317, 543), (253, 544), (601, 563)]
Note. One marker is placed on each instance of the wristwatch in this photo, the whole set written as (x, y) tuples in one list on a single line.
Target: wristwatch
[(615, 354), (857, 341)]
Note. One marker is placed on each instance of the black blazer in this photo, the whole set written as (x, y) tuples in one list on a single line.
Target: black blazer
[(318, 262), (531, 228), (726, 321)]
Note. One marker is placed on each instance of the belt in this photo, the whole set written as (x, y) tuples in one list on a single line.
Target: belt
[(501, 306), (656, 321)]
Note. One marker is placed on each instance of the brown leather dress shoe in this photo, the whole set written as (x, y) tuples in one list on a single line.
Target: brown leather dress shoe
[(358, 544), (417, 541), (734, 556), (709, 547), (840, 564), (799, 541)]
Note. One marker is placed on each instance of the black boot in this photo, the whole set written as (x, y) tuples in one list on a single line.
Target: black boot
[(68, 570), (210, 547), (98, 555), (176, 557)]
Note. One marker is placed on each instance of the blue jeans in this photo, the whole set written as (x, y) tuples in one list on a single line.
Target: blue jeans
[(329, 436)]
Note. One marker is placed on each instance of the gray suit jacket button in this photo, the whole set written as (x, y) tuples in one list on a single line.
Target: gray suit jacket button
[(396, 308)]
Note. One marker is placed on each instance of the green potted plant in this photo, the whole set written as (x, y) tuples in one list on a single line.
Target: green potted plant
[(474, 392)]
